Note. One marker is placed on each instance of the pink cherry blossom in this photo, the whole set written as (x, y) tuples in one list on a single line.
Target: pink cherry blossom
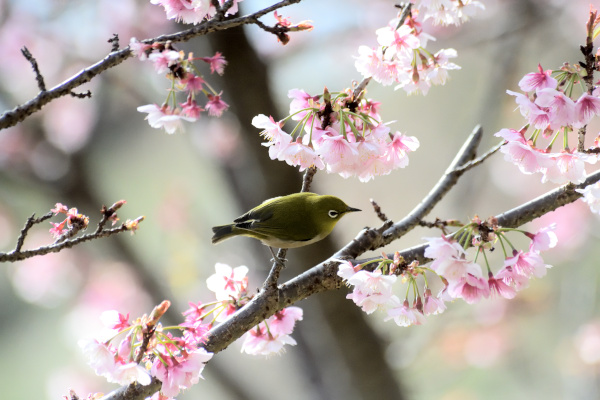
[(404, 315), (165, 59), (99, 356), (586, 107), (282, 322), (371, 63), (217, 63), (300, 101), (433, 305), (191, 109), (591, 196), (454, 269), (538, 80), (113, 319), (193, 83), (470, 288), (334, 149), (438, 74), (228, 282), (164, 117), (442, 247), (373, 282), (130, 372), (215, 105), (398, 149), (566, 167), (180, 372), (561, 107), (139, 49), (259, 341), (298, 154), (346, 270), (531, 111), (400, 42), (527, 264), (512, 278), (529, 159), (186, 11), (371, 301), (543, 239), (499, 287)]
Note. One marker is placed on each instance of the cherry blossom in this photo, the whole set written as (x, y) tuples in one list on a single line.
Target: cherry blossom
[(591, 196), (180, 372)]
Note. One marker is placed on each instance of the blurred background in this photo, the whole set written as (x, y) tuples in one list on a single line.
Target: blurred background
[(84, 153)]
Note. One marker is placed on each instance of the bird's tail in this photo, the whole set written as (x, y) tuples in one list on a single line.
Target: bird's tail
[(222, 232)]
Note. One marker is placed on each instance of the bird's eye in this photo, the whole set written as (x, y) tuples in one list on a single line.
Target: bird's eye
[(333, 213)]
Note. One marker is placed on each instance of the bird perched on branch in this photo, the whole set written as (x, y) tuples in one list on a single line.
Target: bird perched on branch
[(287, 222)]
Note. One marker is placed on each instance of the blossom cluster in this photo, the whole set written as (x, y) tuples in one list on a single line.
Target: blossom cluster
[(462, 277), (336, 132), (146, 351), (448, 12), (186, 78), (552, 114), (401, 57), (270, 336), (193, 11), (74, 221), (150, 350)]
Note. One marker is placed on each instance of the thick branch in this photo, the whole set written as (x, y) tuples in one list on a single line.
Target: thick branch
[(323, 277), (20, 113)]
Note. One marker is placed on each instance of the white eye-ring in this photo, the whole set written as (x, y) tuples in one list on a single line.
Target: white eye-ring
[(333, 213)]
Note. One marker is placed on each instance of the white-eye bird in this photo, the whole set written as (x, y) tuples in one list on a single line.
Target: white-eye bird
[(287, 222)]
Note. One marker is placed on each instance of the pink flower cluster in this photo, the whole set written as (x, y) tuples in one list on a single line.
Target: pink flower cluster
[(176, 361), (463, 278), (230, 287), (193, 11), (401, 57), (551, 113), (449, 12), (271, 335), (373, 290), (184, 75), (338, 133), (73, 221)]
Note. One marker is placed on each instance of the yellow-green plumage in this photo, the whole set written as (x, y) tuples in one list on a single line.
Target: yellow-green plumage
[(287, 222)]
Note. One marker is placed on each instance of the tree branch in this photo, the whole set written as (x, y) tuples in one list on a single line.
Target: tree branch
[(20, 113), (65, 241), (323, 276)]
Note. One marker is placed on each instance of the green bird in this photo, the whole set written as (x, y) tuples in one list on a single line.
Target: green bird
[(287, 222)]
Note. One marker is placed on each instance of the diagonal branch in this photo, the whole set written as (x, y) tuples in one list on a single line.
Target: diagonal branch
[(323, 277), (20, 113)]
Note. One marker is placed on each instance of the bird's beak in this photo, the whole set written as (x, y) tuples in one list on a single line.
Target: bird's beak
[(351, 209)]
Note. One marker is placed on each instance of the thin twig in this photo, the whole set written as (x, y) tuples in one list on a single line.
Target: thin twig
[(473, 163), (114, 41), (15, 255), (308, 178), (30, 222), (36, 70), (378, 211)]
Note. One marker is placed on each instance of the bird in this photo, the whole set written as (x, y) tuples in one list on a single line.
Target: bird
[(286, 222)]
